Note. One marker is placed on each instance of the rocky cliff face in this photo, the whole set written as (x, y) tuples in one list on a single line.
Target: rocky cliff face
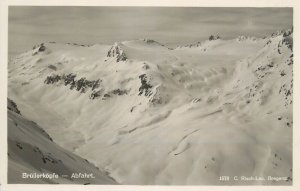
[(117, 52)]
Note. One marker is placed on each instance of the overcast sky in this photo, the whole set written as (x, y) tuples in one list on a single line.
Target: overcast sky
[(89, 25)]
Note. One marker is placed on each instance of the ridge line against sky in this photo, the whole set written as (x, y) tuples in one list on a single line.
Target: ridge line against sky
[(30, 25)]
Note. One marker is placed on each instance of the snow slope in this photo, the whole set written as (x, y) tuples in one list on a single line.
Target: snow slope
[(31, 150), (152, 115)]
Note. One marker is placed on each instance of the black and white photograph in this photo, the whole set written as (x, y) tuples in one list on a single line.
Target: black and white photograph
[(139, 95)]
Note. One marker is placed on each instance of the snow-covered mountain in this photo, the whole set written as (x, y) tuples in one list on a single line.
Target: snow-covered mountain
[(148, 114), (32, 151)]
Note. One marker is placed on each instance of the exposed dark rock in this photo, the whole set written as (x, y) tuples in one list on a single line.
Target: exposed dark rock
[(145, 87), (81, 85), (290, 61), (83, 90), (271, 65), (12, 106), (52, 79), (156, 100), (70, 78), (19, 145), (288, 41), (131, 110), (42, 48), (287, 32), (95, 84), (95, 94), (287, 92), (116, 51), (278, 48), (289, 179), (212, 37), (149, 41), (46, 157), (52, 67), (119, 92)]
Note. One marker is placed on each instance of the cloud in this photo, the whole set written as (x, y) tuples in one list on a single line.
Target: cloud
[(174, 25)]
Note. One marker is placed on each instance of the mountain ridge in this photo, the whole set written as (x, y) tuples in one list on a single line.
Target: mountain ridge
[(141, 118)]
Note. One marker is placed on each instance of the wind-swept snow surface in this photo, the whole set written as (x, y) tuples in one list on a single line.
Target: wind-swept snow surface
[(148, 114), (32, 153)]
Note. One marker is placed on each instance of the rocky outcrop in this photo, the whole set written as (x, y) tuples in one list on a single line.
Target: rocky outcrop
[(117, 52), (198, 44), (80, 85), (39, 48), (42, 48), (280, 46), (283, 33), (150, 41), (246, 38), (145, 88), (212, 37), (12, 106), (83, 85)]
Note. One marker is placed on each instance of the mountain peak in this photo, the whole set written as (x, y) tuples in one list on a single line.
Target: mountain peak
[(117, 52)]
